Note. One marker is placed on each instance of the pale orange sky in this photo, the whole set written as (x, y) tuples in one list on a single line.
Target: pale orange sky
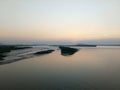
[(71, 20)]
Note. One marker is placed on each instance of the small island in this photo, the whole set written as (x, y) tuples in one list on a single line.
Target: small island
[(66, 51), (43, 52)]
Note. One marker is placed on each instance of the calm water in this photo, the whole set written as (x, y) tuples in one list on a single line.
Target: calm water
[(88, 69)]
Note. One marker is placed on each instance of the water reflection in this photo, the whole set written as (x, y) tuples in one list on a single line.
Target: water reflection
[(24, 55), (88, 69)]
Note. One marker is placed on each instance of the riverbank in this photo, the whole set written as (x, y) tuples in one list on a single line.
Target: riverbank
[(8, 48)]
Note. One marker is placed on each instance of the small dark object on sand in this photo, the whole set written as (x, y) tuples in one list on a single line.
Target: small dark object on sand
[(44, 52), (66, 51)]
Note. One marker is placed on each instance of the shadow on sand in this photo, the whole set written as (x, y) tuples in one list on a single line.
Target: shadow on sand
[(67, 51)]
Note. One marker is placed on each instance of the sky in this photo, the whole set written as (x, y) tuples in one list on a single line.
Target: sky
[(60, 21)]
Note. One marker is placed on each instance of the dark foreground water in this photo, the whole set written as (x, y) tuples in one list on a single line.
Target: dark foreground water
[(88, 69)]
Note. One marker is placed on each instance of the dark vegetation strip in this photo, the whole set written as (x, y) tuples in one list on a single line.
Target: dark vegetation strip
[(86, 45), (7, 48), (44, 52), (76, 45), (26, 57), (68, 49)]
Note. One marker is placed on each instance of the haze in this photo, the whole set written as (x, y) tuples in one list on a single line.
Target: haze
[(60, 20)]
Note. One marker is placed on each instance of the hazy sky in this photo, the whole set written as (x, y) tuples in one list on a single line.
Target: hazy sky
[(54, 20)]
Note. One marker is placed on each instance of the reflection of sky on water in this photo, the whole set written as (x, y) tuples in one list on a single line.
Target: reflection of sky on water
[(89, 68), (16, 55)]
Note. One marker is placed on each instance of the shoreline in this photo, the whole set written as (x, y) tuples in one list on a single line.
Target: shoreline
[(8, 48)]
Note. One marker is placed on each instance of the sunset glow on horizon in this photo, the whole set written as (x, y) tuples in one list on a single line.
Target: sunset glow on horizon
[(54, 20)]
